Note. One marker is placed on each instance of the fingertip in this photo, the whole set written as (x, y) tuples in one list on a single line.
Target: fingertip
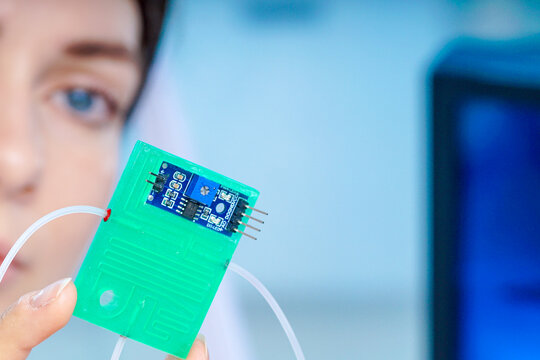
[(67, 298), (54, 307), (52, 293), (36, 316), (64, 304), (199, 349)]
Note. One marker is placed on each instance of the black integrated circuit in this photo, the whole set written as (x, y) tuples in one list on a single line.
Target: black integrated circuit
[(190, 209)]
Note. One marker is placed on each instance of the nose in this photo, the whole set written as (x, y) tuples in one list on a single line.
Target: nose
[(21, 160)]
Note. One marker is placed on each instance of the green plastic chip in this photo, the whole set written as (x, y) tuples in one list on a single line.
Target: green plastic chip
[(155, 265)]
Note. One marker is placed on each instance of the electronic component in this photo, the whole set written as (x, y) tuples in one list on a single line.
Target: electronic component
[(214, 220), (202, 189), (172, 194), (154, 267), (190, 210), (179, 176), (220, 208), (223, 195), (206, 212), (174, 185), (159, 182), (167, 202), (238, 215), (200, 197)]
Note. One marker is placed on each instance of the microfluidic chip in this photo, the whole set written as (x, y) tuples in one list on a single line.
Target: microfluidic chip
[(154, 267)]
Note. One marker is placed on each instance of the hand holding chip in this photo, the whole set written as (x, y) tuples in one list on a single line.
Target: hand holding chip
[(39, 314)]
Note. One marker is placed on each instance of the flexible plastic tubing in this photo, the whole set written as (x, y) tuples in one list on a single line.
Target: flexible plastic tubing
[(80, 209), (274, 305), (39, 223), (118, 348)]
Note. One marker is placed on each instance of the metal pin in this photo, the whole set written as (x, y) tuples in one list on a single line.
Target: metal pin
[(148, 181), (249, 226), (156, 175), (243, 233), (257, 210), (252, 218)]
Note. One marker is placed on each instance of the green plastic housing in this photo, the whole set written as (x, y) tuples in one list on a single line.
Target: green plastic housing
[(151, 275)]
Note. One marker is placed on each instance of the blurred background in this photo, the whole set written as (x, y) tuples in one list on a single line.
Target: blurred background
[(321, 105)]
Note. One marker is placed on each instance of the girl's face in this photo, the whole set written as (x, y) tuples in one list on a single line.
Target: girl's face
[(69, 70)]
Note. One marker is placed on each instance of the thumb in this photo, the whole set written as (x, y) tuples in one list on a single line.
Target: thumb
[(199, 350), (35, 317)]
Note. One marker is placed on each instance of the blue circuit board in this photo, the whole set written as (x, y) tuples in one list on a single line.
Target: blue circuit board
[(196, 199)]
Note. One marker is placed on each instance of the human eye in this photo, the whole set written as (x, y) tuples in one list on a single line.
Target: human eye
[(87, 105)]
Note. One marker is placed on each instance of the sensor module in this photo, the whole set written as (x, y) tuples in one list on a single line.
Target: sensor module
[(199, 199), (156, 263)]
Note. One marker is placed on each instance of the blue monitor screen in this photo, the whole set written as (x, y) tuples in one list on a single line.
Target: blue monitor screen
[(499, 230)]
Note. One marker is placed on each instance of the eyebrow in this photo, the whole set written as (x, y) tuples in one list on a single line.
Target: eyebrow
[(98, 49)]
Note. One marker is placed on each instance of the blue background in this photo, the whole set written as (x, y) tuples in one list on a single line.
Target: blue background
[(500, 230)]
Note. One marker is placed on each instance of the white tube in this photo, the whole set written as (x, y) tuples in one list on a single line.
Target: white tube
[(38, 224), (118, 347), (274, 305)]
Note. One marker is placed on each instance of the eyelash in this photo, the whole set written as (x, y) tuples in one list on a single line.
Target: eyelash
[(60, 97)]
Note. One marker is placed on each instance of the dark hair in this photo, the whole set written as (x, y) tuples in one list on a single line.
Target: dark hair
[(153, 19), (153, 15)]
